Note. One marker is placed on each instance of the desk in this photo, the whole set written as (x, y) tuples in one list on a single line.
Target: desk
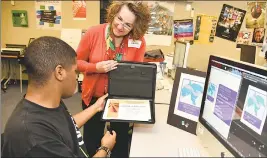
[(163, 96), (161, 139), (20, 68)]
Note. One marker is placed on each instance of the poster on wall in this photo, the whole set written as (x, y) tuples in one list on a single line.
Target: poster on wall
[(245, 37), (264, 47), (79, 10), (161, 24), (48, 14), (205, 29), (258, 36), (19, 18), (183, 29), (255, 17), (230, 22)]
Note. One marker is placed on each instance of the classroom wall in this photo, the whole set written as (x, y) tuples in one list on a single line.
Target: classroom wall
[(19, 35), (198, 55)]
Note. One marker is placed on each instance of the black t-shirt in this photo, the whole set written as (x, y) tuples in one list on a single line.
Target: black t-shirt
[(36, 131)]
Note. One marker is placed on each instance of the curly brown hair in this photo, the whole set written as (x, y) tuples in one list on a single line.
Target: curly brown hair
[(140, 10)]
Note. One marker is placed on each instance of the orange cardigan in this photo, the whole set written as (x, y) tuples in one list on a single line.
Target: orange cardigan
[(92, 49)]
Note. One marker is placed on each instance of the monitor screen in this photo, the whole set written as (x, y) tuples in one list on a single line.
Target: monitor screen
[(234, 106)]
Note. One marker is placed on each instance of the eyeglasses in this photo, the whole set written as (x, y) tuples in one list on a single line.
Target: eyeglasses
[(119, 20)]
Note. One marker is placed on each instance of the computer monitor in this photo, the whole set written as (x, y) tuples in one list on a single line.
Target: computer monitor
[(234, 106)]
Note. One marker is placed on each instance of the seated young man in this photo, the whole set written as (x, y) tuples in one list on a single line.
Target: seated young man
[(40, 125)]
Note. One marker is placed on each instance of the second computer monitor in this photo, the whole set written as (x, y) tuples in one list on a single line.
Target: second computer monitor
[(234, 106)]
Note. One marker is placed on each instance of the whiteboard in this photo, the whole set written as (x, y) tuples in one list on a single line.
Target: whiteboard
[(71, 37)]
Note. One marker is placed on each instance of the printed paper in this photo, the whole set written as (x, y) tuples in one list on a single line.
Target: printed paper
[(255, 17), (123, 109), (258, 36), (79, 10), (245, 37), (183, 29), (205, 29), (48, 14), (230, 22), (161, 25)]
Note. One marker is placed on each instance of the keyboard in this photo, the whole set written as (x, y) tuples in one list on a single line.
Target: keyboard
[(189, 152)]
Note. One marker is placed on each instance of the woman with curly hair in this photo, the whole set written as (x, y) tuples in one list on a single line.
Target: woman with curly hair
[(102, 46)]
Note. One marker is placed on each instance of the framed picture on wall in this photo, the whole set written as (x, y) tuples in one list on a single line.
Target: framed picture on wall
[(19, 18), (186, 99)]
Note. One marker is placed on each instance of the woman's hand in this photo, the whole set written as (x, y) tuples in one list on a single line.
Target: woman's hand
[(106, 66), (99, 104)]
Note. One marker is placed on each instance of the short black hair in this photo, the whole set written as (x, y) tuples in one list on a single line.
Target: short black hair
[(44, 54)]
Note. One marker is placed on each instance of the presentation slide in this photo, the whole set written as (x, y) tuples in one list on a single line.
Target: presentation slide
[(124, 109), (221, 99), (189, 96), (255, 109), (225, 104), (211, 92)]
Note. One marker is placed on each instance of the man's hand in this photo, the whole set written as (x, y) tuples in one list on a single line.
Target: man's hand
[(106, 66), (99, 104), (109, 140), (85, 115)]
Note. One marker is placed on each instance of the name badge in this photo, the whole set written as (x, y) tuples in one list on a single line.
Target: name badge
[(134, 43)]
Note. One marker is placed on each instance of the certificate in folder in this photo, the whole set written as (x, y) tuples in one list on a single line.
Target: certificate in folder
[(131, 93)]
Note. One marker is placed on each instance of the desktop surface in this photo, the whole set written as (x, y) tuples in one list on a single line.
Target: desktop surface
[(162, 139)]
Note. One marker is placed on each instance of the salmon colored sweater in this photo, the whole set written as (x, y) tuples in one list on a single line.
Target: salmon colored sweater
[(93, 49)]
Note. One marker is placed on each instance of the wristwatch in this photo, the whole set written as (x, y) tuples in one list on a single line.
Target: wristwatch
[(105, 149)]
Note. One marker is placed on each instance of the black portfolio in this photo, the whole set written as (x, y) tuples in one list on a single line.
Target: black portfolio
[(131, 81)]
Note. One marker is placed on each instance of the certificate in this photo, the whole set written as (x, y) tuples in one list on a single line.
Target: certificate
[(127, 109)]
